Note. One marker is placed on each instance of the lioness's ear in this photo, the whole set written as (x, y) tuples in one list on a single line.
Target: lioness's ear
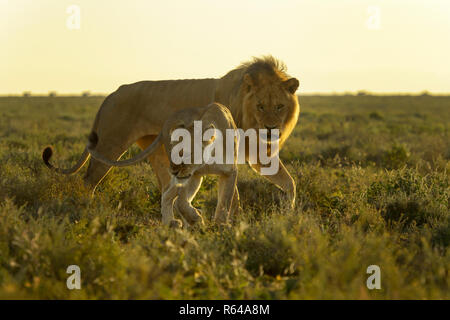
[(248, 82), (177, 125), (291, 85)]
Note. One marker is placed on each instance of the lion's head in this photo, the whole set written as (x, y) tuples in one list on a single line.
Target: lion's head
[(269, 100)]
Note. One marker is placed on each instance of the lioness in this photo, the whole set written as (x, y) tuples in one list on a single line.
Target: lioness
[(259, 95), (213, 117)]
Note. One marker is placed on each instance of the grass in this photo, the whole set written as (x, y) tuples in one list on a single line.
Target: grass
[(372, 177)]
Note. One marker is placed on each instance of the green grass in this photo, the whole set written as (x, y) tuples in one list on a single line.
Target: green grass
[(372, 177)]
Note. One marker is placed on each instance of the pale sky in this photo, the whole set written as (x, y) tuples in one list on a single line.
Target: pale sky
[(329, 45)]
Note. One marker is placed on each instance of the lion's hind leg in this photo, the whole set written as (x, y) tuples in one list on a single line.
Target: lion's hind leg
[(159, 162)]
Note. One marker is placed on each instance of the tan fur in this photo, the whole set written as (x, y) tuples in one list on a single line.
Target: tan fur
[(214, 116), (137, 112)]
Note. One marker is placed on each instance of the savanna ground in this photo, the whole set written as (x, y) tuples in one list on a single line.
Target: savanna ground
[(372, 177)]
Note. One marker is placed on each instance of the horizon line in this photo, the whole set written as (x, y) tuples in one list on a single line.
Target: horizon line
[(87, 93)]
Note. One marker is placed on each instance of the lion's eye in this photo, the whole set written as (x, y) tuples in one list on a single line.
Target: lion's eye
[(260, 106), (280, 106)]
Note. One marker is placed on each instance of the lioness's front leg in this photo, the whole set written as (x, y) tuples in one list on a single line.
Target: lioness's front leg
[(185, 196), (167, 200), (282, 179), (235, 206), (227, 187)]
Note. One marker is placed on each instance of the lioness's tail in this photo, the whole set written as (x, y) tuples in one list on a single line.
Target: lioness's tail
[(93, 140), (48, 152)]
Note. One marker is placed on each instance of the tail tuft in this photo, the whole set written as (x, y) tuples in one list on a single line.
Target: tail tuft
[(46, 155), (93, 140)]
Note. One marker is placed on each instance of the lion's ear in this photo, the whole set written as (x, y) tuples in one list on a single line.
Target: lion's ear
[(248, 82), (291, 85)]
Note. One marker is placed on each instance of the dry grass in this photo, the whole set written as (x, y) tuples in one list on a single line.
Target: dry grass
[(373, 188)]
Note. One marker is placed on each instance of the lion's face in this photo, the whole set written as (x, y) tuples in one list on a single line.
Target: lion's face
[(270, 106)]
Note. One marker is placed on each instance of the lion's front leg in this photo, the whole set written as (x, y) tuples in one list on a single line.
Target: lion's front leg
[(282, 179)]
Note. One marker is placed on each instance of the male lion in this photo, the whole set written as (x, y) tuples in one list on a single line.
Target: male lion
[(259, 95), (213, 117)]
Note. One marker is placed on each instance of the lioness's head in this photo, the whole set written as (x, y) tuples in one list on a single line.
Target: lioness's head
[(180, 148), (269, 100)]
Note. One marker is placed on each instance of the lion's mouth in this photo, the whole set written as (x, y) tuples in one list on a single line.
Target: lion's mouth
[(270, 135)]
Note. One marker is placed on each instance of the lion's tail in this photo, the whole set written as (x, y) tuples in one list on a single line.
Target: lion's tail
[(93, 140), (48, 152)]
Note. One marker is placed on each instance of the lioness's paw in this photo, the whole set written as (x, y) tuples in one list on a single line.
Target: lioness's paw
[(193, 216), (290, 198), (292, 203), (221, 219), (197, 221), (176, 224)]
